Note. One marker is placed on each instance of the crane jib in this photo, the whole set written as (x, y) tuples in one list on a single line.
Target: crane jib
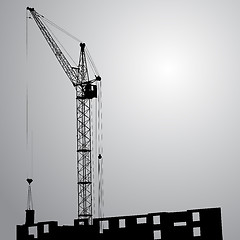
[(71, 72)]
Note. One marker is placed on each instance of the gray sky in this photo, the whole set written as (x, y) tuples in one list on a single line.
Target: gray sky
[(171, 111)]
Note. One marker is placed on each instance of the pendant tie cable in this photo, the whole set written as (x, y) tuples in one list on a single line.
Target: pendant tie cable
[(92, 64), (60, 44)]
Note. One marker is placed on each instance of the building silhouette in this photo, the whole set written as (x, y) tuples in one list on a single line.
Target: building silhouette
[(196, 224)]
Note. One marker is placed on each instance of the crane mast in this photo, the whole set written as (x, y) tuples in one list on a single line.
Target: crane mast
[(86, 90)]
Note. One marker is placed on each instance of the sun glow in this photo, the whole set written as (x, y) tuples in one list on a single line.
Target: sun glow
[(174, 67)]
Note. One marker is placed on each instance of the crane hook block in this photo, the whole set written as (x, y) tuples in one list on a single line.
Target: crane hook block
[(29, 180)]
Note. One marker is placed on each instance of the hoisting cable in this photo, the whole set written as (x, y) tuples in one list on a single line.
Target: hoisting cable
[(29, 155), (32, 154), (26, 114), (26, 98), (95, 173), (100, 155), (101, 149), (94, 155), (27, 16), (99, 168)]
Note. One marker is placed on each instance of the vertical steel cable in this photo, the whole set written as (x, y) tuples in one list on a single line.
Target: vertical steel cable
[(29, 153), (27, 17), (101, 137), (26, 107), (100, 154), (93, 157), (32, 155), (26, 79), (99, 173)]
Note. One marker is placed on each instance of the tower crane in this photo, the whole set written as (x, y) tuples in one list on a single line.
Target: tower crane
[(86, 91)]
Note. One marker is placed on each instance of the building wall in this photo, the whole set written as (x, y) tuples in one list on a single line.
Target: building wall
[(197, 224)]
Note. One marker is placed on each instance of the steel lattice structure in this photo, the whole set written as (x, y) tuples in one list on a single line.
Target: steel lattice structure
[(86, 90), (84, 168)]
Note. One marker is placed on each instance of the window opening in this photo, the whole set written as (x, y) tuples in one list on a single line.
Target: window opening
[(157, 234), (196, 216), (122, 223), (178, 224), (141, 220), (105, 224), (33, 231), (46, 228), (156, 219), (196, 232)]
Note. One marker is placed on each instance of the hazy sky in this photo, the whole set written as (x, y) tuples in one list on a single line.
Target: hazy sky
[(171, 82)]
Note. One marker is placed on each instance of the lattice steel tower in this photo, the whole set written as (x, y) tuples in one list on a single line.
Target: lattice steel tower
[(86, 90)]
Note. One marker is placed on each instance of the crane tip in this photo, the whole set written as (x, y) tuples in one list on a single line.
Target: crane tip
[(30, 9)]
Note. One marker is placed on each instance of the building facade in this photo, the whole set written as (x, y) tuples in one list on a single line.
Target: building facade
[(196, 224)]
